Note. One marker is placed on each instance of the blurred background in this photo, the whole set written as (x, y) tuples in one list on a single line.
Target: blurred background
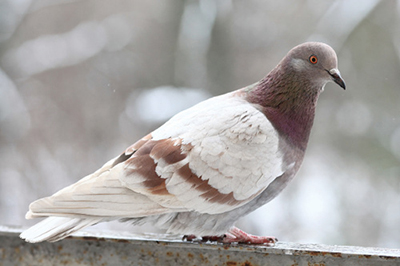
[(80, 80)]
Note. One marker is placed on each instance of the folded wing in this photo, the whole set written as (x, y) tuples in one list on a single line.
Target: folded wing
[(211, 158)]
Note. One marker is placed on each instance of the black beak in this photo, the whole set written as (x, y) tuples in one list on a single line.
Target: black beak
[(335, 74)]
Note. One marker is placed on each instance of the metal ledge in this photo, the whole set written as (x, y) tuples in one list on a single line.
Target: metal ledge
[(123, 249)]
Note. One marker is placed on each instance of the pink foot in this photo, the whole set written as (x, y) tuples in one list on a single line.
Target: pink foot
[(237, 235)]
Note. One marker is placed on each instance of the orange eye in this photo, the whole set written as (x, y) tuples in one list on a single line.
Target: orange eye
[(313, 59)]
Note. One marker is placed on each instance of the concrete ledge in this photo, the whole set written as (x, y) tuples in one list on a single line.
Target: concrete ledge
[(124, 249)]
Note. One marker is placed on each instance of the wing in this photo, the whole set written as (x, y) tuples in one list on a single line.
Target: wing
[(211, 158), (100, 194)]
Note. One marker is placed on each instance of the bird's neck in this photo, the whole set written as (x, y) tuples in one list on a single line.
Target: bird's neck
[(289, 104)]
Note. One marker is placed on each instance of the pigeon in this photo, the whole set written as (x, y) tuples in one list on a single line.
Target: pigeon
[(206, 167)]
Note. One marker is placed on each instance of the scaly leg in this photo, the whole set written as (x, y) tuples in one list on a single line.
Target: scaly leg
[(236, 235)]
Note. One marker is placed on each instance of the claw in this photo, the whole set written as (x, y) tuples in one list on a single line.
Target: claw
[(239, 236), (235, 235)]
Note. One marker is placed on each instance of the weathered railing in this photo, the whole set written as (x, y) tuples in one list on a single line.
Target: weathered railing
[(118, 249)]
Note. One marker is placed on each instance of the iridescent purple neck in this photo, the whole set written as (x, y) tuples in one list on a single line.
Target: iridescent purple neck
[(288, 102)]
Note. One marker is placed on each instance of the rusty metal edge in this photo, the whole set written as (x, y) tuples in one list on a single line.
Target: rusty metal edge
[(309, 252)]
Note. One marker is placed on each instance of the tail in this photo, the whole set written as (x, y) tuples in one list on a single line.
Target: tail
[(56, 228), (98, 197)]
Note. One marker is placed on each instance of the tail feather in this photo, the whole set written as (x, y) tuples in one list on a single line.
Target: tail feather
[(56, 228)]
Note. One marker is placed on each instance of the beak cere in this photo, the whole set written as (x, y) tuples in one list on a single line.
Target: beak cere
[(335, 74)]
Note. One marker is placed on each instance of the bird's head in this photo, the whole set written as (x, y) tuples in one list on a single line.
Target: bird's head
[(315, 62)]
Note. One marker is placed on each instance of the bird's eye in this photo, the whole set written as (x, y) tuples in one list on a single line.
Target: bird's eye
[(313, 59)]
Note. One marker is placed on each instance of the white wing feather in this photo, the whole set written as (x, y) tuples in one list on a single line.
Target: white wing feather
[(234, 147)]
